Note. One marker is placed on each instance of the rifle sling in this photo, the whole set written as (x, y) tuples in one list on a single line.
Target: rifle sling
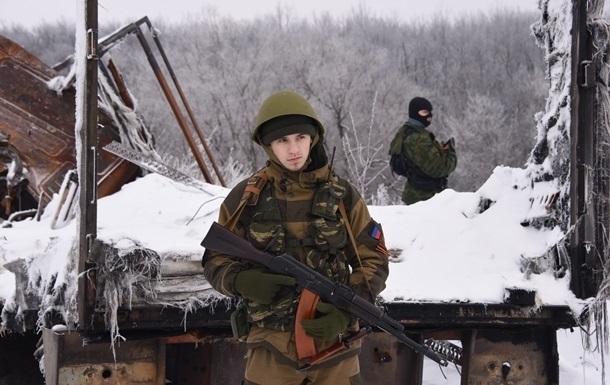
[(351, 237), (250, 196)]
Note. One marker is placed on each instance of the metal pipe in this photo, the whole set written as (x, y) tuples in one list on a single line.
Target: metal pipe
[(174, 106), (186, 104)]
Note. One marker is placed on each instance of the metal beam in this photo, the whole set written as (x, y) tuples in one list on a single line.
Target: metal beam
[(585, 247), (86, 134)]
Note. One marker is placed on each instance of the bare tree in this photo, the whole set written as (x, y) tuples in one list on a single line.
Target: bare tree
[(484, 75)]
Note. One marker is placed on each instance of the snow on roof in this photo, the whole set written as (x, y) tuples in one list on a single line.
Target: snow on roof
[(447, 249)]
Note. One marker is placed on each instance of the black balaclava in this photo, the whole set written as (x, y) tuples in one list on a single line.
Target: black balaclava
[(418, 104)]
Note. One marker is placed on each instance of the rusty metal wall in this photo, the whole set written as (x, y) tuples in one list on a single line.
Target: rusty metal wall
[(68, 362), (383, 361), (516, 357)]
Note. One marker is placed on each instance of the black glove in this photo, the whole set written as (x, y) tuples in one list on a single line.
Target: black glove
[(261, 286), (329, 324)]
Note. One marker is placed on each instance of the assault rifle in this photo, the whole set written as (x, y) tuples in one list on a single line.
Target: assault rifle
[(225, 241)]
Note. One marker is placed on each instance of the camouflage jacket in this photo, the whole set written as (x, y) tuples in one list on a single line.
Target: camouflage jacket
[(432, 162), (284, 220)]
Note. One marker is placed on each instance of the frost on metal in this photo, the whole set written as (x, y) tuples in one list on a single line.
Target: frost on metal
[(550, 159)]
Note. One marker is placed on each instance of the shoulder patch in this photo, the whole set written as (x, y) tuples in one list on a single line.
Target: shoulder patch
[(375, 232)]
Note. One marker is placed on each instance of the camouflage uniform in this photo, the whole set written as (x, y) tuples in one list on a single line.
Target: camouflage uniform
[(431, 163), (297, 213)]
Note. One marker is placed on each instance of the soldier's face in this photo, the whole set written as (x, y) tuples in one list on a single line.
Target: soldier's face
[(425, 114), (292, 150)]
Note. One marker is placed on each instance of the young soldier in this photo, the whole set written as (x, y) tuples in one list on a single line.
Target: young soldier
[(294, 205), (426, 162)]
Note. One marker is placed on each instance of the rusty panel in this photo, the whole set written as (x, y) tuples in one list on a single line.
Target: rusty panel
[(68, 362), (219, 362), (110, 373), (40, 124), (384, 361), (516, 357), (28, 95)]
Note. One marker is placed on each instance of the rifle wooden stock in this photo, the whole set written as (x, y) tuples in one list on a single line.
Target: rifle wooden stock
[(225, 241)]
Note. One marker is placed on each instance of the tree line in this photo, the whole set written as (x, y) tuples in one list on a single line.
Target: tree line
[(484, 75)]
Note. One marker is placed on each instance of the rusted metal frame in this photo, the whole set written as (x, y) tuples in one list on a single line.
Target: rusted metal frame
[(87, 228), (449, 316), (174, 106), (170, 336), (185, 102), (122, 88), (583, 243), (468, 340), (108, 42), (134, 28), (440, 321), (116, 84), (160, 318)]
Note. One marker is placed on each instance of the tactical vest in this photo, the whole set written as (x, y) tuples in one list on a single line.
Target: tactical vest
[(324, 246)]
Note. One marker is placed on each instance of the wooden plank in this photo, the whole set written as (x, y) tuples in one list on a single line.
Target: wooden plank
[(173, 267)]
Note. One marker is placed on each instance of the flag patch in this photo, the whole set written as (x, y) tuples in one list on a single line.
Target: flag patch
[(375, 232)]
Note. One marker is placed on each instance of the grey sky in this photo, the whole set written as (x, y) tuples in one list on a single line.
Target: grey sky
[(34, 12)]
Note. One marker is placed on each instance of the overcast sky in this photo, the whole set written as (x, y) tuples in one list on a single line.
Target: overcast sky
[(34, 12)]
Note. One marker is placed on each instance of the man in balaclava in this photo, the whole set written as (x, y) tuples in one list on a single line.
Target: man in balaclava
[(291, 208), (425, 162)]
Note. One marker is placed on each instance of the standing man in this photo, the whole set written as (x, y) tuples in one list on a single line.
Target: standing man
[(416, 154), (297, 205)]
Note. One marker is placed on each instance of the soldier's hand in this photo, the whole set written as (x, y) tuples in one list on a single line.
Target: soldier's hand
[(328, 325), (260, 285), (443, 148), (450, 143)]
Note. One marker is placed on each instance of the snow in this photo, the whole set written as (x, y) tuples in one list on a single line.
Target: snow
[(449, 249), (478, 255), (455, 247)]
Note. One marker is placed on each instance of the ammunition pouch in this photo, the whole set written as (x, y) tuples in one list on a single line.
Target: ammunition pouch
[(239, 323)]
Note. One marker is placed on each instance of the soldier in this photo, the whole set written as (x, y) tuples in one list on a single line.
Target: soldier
[(297, 205), (417, 155)]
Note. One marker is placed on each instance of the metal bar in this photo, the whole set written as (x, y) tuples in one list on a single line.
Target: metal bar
[(583, 154), (134, 28), (174, 106), (186, 105), (110, 41), (86, 129), (122, 88)]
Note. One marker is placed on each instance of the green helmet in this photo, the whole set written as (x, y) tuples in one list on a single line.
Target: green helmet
[(284, 103)]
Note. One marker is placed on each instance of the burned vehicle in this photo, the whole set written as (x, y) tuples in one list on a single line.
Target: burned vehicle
[(38, 138), (137, 314)]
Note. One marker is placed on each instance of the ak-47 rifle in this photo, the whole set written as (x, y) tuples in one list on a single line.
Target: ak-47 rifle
[(225, 241)]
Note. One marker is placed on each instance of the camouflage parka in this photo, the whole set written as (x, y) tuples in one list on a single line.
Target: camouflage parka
[(430, 163), (297, 214)]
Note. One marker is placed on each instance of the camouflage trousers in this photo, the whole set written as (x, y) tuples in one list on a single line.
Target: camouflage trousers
[(267, 365), (412, 195)]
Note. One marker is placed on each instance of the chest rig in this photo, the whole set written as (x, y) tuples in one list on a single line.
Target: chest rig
[(324, 246)]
